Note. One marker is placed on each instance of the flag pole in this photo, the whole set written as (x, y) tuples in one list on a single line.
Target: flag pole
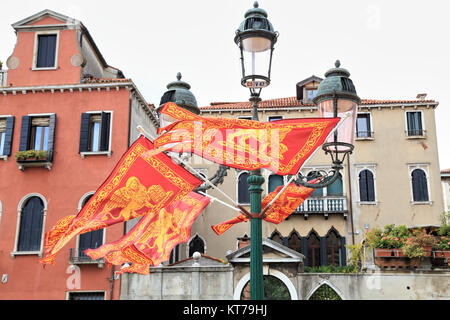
[(236, 205), (293, 177)]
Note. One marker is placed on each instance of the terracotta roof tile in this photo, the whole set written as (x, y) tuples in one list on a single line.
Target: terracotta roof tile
[(293, 102), (445, 171), (105, 80)]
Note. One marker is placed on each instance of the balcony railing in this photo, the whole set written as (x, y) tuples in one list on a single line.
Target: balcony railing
[(323, 206), (78, 257), (3, 76)]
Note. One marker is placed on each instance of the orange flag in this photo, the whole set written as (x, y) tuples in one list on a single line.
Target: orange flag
[(282, 208), (138, 184), (152, 240), (280, 146)]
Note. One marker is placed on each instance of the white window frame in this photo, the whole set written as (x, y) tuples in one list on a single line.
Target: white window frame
[(371, 168), (36, 46), (19, 215), (426, 168), (423, 125), (371, 128), (100, 153)]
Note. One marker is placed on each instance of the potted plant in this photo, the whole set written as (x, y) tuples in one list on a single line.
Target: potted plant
[(388, 242), (420, 240), (442, 248), (42, 155), (31, 155)]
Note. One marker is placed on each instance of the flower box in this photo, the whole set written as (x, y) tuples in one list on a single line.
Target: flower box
[(389, 253), (442, 254)]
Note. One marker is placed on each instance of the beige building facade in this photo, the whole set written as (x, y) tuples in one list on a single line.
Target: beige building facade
[(393, 177)]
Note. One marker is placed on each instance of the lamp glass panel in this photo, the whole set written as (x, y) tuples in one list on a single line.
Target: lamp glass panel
[(344, 108)]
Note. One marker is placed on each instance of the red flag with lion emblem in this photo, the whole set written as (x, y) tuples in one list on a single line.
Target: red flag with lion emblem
[(152, 239), (139, 184)]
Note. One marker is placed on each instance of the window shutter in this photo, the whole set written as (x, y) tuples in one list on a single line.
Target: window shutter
[(51, 137), (370, 186), (363, 186), (25, 132), (31, 221), (420, 187), (8, 136), (46, 51), (106, 123), (305, 251), (243, 192), (343, 252), (323, 251), (84, 132)]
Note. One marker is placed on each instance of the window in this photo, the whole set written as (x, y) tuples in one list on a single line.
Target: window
[(275, 118), (363, 127), (243, 193), (275, 181), (31, 225), (366, 186), (311, 94), (333, 245), (6, 134), (46, 51), (90, 240), (313, 253), (95, 132), (38, 133), (196, 245), (86, 296), (175, 255), (419, 186), (295, 242), (311, 176), (414, 123), (336, 189)]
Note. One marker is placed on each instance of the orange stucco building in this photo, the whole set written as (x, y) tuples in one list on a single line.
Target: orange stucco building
[(60, 97)]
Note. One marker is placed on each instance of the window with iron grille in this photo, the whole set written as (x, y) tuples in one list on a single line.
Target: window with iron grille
[(414, 123), (363, 128)]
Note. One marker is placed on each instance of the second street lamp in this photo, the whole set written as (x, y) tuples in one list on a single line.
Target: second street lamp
[(256, 38)]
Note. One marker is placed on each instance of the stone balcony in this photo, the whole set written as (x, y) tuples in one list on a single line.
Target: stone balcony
[(323, 206)]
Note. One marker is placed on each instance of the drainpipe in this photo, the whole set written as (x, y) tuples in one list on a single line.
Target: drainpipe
[(350, 207), (111, 280)]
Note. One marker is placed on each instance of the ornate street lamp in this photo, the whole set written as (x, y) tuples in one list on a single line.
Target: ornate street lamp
[(336, 97), (256, 39)]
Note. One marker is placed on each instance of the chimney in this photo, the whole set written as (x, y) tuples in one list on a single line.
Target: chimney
[(421, 96)]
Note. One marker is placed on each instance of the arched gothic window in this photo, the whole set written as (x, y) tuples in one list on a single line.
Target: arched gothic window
[(313, 245), (333, 245), (196, 245), (325, 292), (295, 242), (336, 189)]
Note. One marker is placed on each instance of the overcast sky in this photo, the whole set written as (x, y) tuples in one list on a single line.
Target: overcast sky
[(394, 49)]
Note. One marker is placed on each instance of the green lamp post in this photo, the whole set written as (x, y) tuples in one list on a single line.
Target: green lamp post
[(256, 38)]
